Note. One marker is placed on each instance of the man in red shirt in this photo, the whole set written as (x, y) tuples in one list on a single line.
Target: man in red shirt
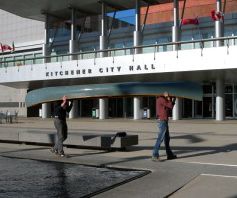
[(164, 105)]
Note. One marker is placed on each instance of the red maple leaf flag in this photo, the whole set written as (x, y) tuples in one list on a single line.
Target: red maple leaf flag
[(216, 16), (190, 21), (5, 47)]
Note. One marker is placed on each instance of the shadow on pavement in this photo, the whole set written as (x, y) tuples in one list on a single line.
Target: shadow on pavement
[(126, 160)]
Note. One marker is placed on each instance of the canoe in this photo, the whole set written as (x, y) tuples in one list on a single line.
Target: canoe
[(182, 89)]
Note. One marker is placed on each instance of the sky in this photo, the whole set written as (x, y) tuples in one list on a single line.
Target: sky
[(125, 15)]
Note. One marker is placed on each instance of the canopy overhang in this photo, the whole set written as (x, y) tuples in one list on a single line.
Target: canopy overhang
[(36, 9)]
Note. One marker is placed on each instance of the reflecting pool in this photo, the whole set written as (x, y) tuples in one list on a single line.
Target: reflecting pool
[(23, 178)]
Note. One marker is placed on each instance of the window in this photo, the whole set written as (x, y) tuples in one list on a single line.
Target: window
[(9, 61), (38, 60), (19, 60), (28, 59)]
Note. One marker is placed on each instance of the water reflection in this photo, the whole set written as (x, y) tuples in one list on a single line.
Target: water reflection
[(59, 187), (29, 178)]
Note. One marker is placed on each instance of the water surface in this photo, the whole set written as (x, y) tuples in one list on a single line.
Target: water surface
[(22, 178)]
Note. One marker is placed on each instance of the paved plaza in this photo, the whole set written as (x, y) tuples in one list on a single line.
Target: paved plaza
[(206, 150)]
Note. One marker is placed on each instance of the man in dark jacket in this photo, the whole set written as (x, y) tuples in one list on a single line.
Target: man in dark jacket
[(164, 105), (61, 108)]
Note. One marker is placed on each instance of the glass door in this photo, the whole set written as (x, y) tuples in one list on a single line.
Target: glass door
[(207, 107), (198, 109)]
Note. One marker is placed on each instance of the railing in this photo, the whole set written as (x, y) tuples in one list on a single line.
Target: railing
[(178, 46), (8, 117)]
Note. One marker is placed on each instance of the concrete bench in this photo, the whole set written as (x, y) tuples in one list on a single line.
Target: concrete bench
[(102, 141)]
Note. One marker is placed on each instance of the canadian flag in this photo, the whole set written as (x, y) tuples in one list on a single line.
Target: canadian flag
[(217, 15), (5, 47), (190, 21)]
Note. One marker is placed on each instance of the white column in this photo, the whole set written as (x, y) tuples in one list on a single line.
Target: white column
[(220, 115), (73, 47), (175, 28), (73, 43), (137, 41), (46, 110), (176, 113), (137, 111), (137, 34), (46, 48), (103, 102), (103, 108), (103, 36), (219, 25), (74, 111)]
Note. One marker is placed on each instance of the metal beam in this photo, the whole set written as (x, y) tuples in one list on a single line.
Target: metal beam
[(152, 2), (44, 12), (144, 22), (111, 5), (85, 12)]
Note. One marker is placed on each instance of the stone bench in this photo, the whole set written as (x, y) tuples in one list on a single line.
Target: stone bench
[(102, 141)]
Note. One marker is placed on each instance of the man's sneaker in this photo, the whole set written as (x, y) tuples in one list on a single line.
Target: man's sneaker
[(155, 159), (52, 150), (170, 157), (62, 154)]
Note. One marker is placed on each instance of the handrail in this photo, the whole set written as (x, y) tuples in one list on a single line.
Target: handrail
[(95, 52)]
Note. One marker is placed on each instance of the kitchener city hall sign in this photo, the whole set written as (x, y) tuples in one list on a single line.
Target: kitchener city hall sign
[(108, 66)]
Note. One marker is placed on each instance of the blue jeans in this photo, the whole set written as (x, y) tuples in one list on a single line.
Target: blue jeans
[(163, 135)]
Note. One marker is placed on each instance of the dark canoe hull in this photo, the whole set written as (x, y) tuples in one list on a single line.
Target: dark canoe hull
[(179, 89)]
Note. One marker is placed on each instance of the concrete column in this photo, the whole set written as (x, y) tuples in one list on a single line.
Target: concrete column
[(103, 45), (103, 102), (137, 41), (219, 26), (73, 47), (46, 110), (137, 34), (220, 115), (73, 44), (175, 28), (103, 108), (137, 112), (45, 48), (176, 113), (74, 111), (103, 36)]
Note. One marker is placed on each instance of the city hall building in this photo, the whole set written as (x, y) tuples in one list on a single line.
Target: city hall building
[(63, 43)]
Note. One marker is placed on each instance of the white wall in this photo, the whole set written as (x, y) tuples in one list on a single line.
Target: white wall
[(18, 29), (9, 96)]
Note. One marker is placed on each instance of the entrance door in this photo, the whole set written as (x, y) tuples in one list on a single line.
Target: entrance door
[(198, 109), (116, 107), (207, 107), (228, 105), (187, 108), (86, 107)]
